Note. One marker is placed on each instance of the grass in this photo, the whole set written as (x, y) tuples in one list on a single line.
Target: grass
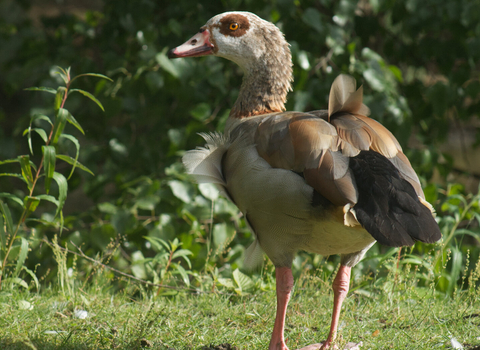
[(387, 314)]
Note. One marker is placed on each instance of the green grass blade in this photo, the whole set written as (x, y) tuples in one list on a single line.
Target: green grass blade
[(181, 271), (60, 122), (92, 75), (8, 217), (40, 117), (34, 278), (49, 198), (3, 236), (90, 96), (49, 154), (16, 280), (19, 176), (29, 137), (77, 147), (12, 197), (26, 170), (22, 256), (183, 253), (41, 88), (74, 122), (8, 161), (74, 163), (158, 243), (62, 192), (456, 269)]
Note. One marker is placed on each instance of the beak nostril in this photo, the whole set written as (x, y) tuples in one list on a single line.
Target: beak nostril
[(193, 42)]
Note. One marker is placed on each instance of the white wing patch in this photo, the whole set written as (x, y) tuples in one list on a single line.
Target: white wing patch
[(205, 163)]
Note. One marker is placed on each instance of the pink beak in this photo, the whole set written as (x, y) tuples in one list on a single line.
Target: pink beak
[(198, 45)]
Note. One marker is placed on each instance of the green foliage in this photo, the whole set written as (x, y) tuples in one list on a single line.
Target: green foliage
[(415, 59), (10, 233), (95, 318)]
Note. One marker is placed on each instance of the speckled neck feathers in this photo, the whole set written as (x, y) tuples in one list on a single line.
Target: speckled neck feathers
[(265, 86), (263, 54), (267, 81)]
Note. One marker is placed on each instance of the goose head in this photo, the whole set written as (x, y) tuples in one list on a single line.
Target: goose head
[(258, 47)]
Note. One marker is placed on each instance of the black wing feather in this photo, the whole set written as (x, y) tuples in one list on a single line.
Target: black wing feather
[(388, 206)]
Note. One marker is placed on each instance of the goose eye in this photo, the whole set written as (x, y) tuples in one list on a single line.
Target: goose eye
[(233, 26)]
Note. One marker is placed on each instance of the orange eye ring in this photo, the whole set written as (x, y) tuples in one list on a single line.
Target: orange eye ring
[(233, 26)]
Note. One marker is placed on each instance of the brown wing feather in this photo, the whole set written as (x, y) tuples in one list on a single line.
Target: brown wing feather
[(321, 144)]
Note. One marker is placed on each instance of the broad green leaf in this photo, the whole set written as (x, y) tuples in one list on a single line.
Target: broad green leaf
[(42, 134), (91, 75), (74, 122), (138, 266), (181, 271), (48, 198), (184, 253), (166, 64), (74, 163), (59, 97), (313, 18), (201, 112), (158, 243), (39, 131), (42, 88), (107, 208), (16, 280), (22, 256), (181, 190), (60, 122), (12, 197), (371, 55), (77, 148), (26, 170), (62, 192), (30, 203), (40, 117), (209, 191), (226, 282), (397, 73), (243, 281), (8, 217), (375, 79), (123, 221), (148, 202), (90, 96), (13, 175), (221, 232), (303, 60), (49, 165), (24, 305)]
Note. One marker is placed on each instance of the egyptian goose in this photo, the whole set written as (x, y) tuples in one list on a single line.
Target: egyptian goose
[(329, 182)]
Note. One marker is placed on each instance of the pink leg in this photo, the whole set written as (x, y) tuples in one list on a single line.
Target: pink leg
[(340, 289), (284, 280)]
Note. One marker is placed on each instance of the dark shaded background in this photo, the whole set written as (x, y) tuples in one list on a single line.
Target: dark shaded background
[(418, 61)]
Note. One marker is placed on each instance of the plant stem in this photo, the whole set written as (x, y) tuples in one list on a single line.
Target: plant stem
[(37, 176)]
